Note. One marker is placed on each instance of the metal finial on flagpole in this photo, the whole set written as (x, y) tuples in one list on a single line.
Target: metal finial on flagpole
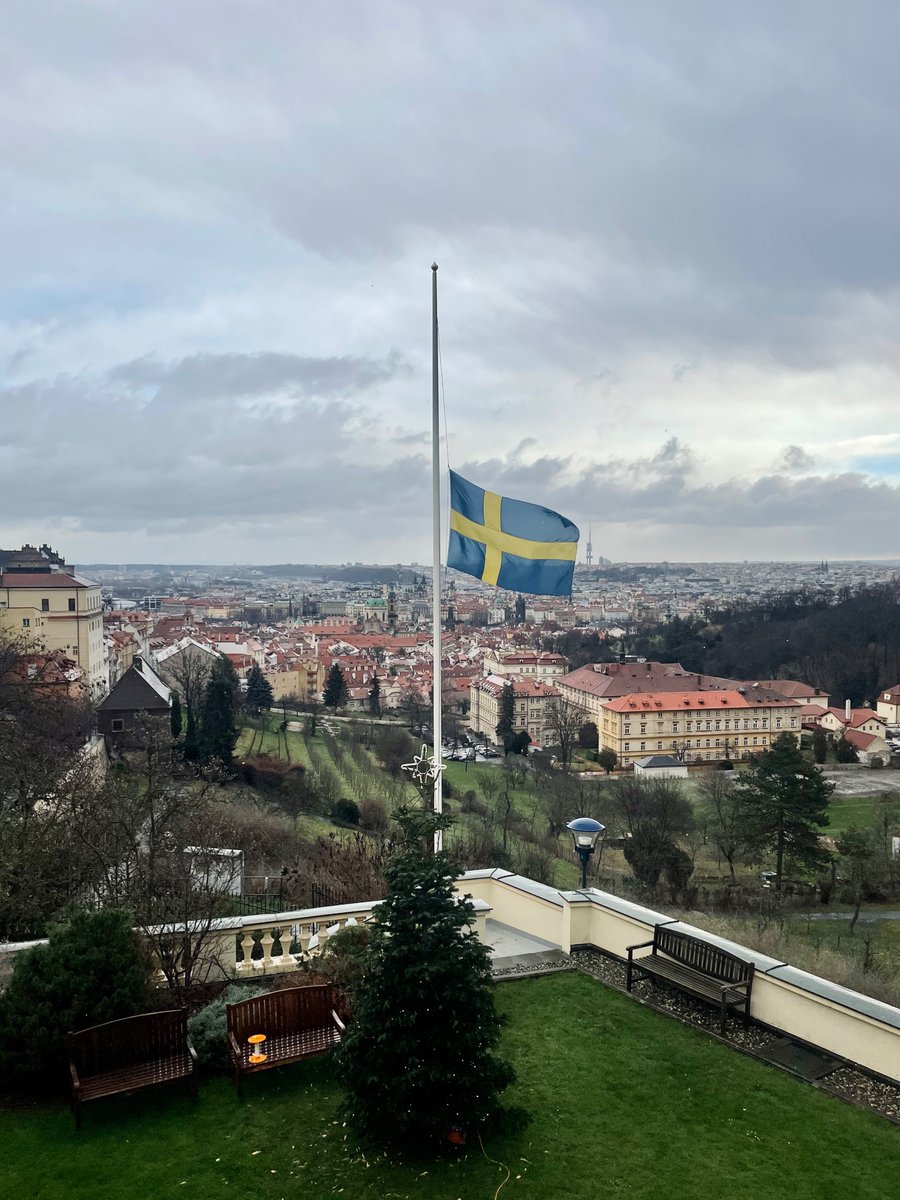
[(436, 556)]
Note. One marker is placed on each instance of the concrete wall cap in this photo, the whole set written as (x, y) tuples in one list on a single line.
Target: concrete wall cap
[(845, 997), (762, 962), (627, 908)]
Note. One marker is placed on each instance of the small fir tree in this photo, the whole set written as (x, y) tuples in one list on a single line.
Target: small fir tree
[(375, 697), (218, 733), (845, 751), (820, 745), (507, 715), (92, 970), (335, 694), (259, 696), (175, 716), (419, 1059)]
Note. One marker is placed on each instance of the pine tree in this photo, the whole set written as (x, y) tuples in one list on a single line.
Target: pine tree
[(507, 715), (784, 805), (259, 696), (175, 716), (218, 732), (418, 1061), (375, 697), (335, 694)]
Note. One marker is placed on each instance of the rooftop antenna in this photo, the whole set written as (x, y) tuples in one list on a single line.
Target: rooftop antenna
[(589, 552)]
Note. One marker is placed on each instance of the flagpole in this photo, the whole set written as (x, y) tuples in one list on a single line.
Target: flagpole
[(436, 556)]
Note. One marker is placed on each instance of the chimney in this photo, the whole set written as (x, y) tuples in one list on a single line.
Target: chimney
[(847, 711)]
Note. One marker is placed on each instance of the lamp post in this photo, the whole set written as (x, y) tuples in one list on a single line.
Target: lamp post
[(585, 832)]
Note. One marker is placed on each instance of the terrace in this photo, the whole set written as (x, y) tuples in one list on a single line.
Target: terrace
[(624, 1102)]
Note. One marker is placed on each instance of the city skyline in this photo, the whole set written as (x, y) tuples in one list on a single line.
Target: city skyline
[(669, 272)]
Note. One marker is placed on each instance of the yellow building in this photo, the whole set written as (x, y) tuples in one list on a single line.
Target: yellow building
[(531, 708), (43, 600), (704, 726), (304, 681)]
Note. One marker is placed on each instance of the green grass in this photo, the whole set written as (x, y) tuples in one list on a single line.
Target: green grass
[(863, 811), (626, 1103)]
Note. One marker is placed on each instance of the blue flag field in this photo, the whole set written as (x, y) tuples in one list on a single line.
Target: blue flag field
[(509, 543)]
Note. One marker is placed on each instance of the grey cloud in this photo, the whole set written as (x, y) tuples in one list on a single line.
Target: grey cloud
[(202, 377), (795, 458)]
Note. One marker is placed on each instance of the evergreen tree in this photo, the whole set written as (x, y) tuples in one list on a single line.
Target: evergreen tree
[(507, 715), (259, 696), (418, 1061), (335, 694), (218, 732), (375, 697), (784, 802), (190, 747), (820, 744), (175, 716), (92, 970), (844, 751)]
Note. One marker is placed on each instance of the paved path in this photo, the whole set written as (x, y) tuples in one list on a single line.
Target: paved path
[(867, 917), (864, 782)]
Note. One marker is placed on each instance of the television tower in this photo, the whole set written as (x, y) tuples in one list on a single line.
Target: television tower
[(589, 552)]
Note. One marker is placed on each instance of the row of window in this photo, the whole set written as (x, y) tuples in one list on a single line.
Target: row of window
[(758, 723), (719, 742)]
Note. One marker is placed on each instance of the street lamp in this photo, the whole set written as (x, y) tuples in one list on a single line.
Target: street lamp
[(585, 832)]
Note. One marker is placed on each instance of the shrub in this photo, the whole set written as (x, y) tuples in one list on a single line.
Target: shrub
[(344, 958), (373, 815), (346, 812), (93, 969), (208, 1028)]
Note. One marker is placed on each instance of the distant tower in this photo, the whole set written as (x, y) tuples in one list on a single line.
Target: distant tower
[(589, 552), (520, 610)]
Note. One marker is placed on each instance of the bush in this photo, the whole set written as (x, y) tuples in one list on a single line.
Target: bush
[(93, 969), (345, 812), (373, 815), (208, 1028), (344, 958)]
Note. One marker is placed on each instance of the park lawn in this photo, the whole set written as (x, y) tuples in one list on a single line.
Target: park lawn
[(625, 1103), (862, 811)]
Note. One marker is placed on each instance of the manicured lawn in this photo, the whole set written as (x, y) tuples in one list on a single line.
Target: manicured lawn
[(862, 811), (626, 1103)]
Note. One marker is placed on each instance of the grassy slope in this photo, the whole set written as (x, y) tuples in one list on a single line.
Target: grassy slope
[(643, 1108)]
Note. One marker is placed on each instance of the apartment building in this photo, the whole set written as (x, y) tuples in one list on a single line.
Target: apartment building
[(44, 601), (533, 699), (695, 726)]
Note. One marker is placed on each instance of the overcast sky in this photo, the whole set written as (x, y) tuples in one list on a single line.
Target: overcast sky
[(669, 248)]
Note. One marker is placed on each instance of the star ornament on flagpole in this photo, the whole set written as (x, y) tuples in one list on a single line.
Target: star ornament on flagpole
[(424, 768)]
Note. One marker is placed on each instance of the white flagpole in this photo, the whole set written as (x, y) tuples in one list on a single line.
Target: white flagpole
[(436, 556)]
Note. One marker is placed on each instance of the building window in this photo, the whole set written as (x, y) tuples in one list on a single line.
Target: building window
[(627, 728), (643, 729), (778, 722), (643, 745), (659, 745), (117, 725), (754, 741), (71, 606), (675, 727), (45, 606), (26, 622), (627, 746), (707, 742)]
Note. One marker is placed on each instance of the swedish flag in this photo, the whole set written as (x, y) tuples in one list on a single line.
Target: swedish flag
[(508, 543)]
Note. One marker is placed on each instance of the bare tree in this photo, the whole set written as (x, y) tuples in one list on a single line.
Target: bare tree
[(722, 804), (565, 720)]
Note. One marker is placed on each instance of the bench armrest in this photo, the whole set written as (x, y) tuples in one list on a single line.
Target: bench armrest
[(740, 983), (76, 1082), (638, 946), (191, 1051), (233, 1047), (340, 1024)]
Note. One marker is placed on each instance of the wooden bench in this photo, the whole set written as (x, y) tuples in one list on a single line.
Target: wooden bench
[(696, 967), (297, 1022), (130, 1054)]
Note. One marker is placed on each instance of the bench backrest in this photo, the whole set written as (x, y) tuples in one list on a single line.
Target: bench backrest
[(692, 952), (128, 1041), (284, 1011)]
